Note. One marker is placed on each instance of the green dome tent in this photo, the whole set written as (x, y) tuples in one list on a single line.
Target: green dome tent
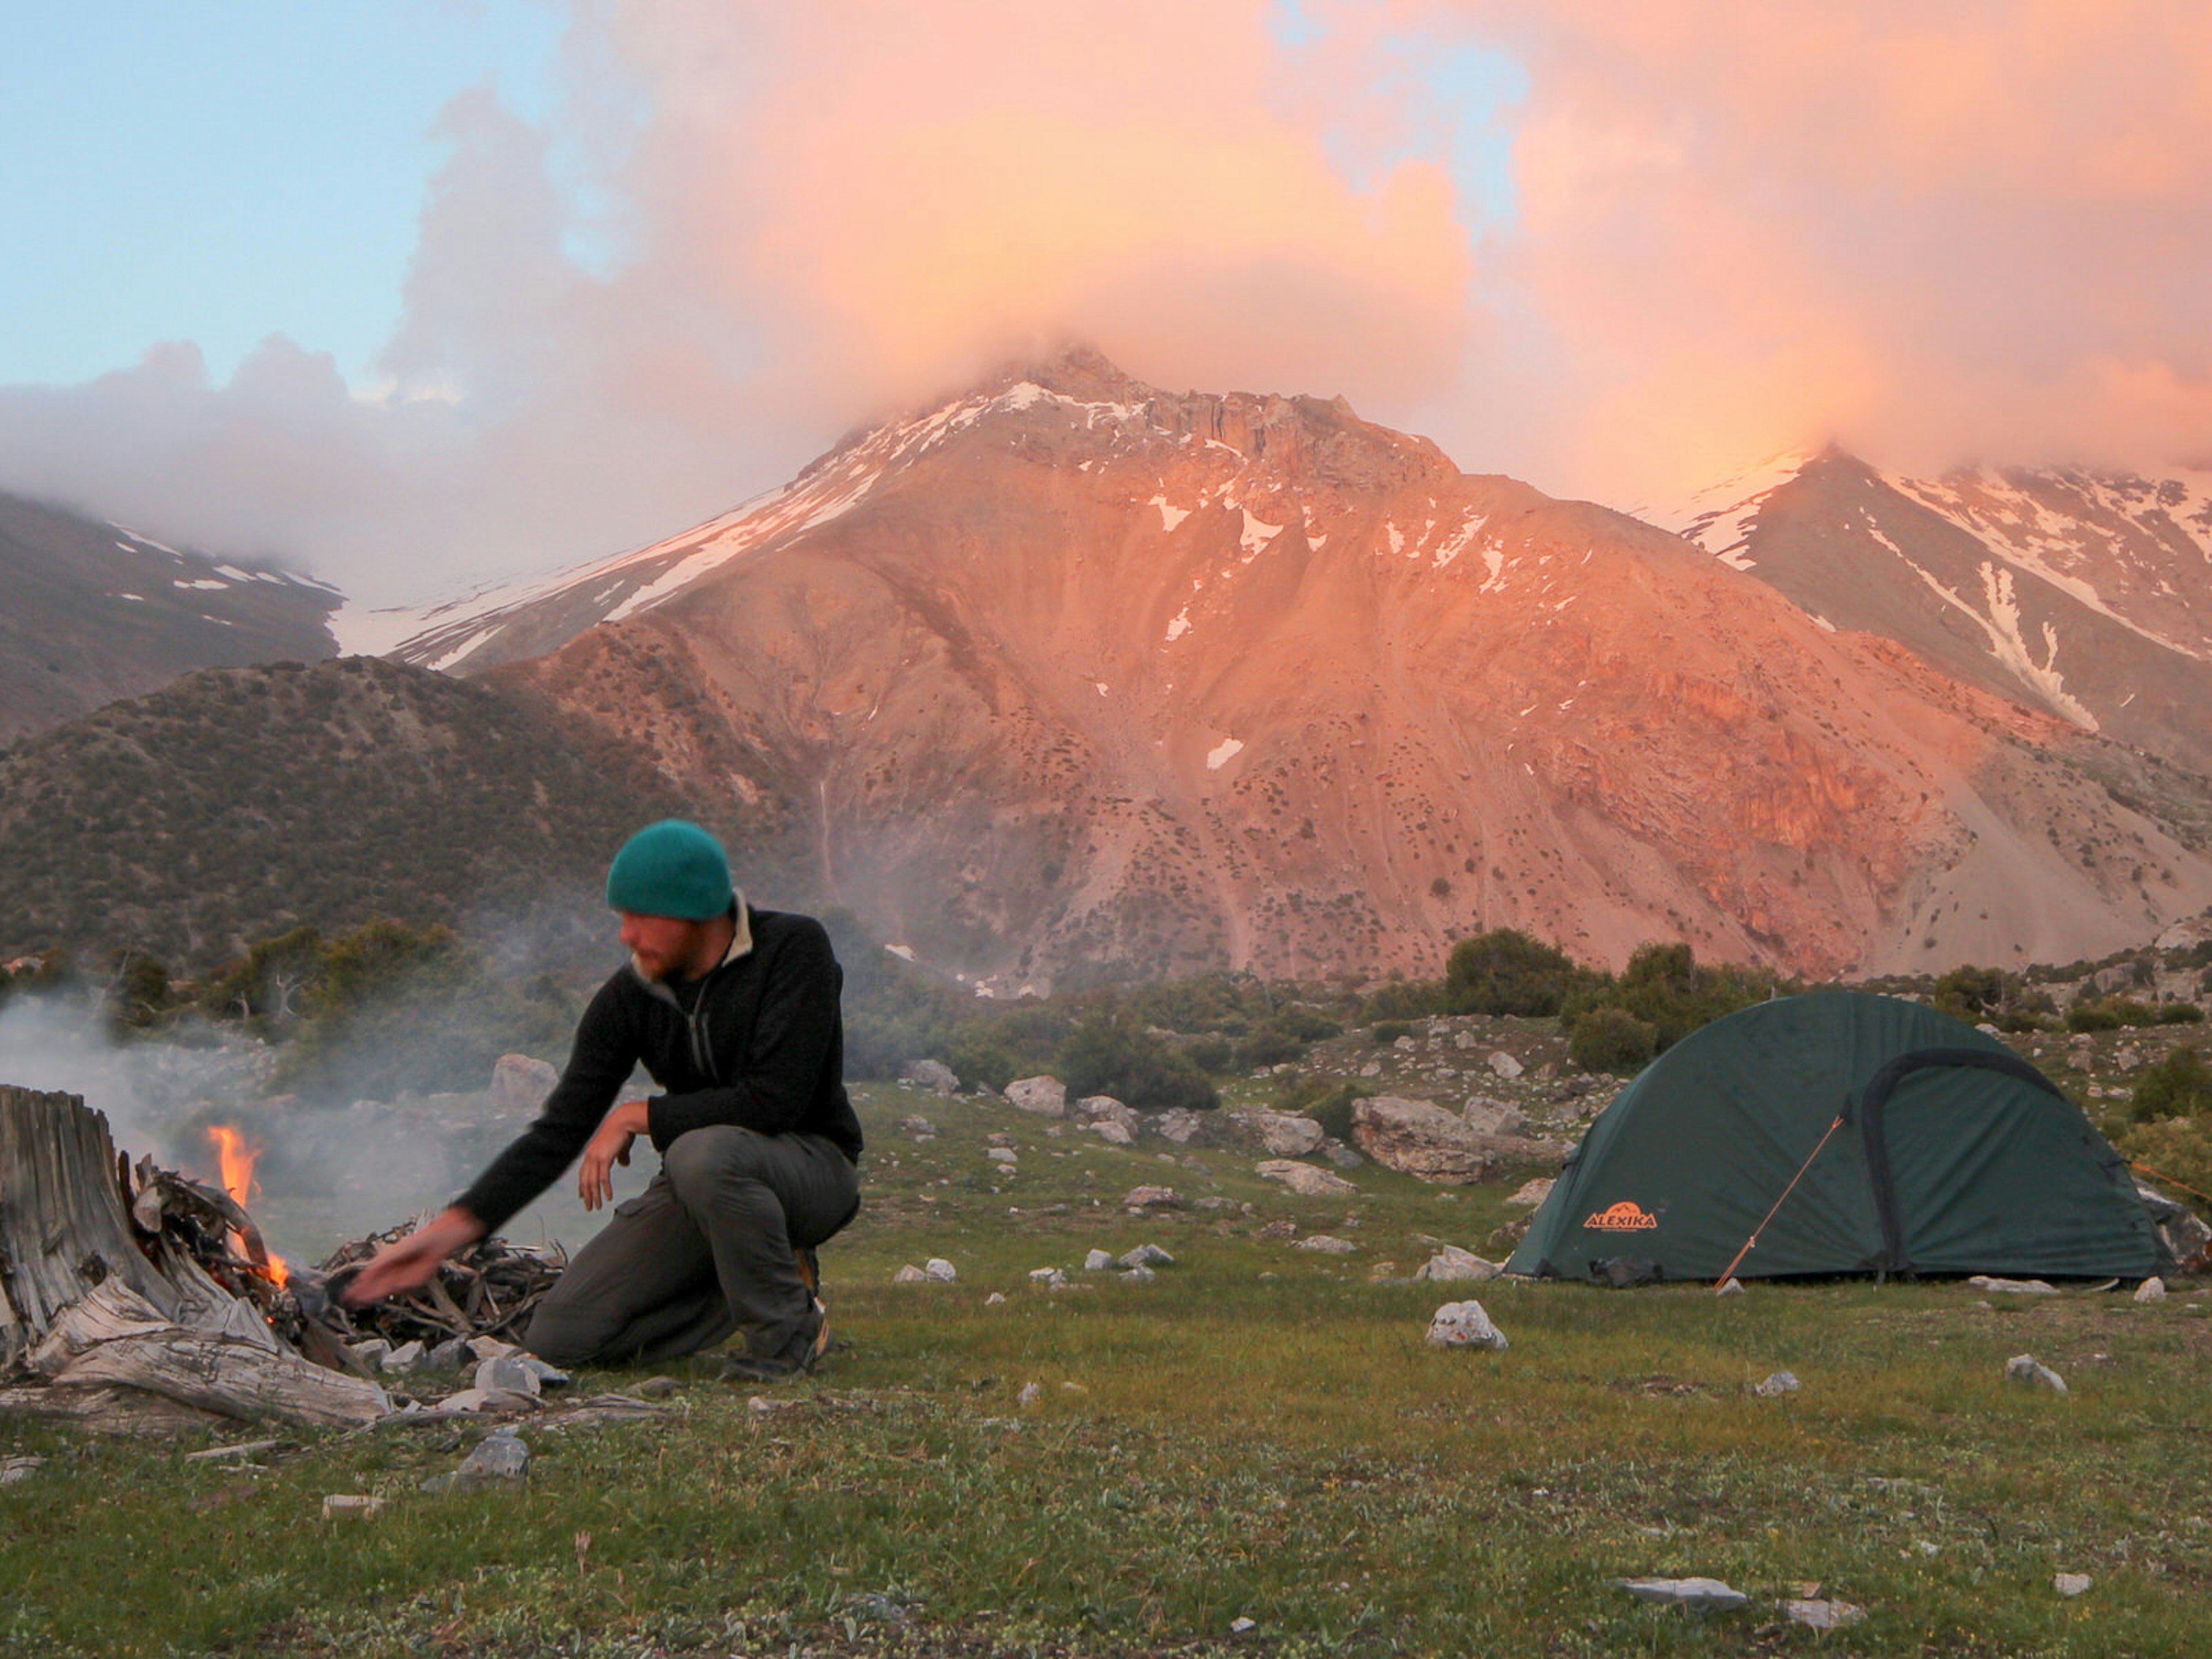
[(1952, 1155)]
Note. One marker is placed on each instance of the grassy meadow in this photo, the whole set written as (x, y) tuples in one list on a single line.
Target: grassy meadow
[(1258, 1434)]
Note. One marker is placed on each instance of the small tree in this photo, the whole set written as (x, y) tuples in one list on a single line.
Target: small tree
[(1612, 1040), (1107, 1055), (1505, 971)]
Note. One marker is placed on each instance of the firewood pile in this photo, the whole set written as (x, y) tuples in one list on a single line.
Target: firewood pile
[(132, 1296)]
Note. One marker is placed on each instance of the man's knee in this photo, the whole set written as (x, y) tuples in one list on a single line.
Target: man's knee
[(701, 1161), (570, 1330)]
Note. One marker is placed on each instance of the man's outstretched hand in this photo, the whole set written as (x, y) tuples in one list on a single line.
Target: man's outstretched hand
[(609, 1146), (407, 1262)]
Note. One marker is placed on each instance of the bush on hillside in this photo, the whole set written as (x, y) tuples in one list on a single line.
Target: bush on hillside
[(1505, 971), (2180, 1086), (2178, 1148), (1107, 1053), (1665, 986), (2180, 1014), (2110, 1014), (1609, 1039), (1390, 1030), (1327, 1103)]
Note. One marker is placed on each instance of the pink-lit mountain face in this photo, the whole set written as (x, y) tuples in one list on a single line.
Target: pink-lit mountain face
[(1068, 677)]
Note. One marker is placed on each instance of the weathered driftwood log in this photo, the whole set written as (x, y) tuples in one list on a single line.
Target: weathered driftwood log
[(62, 1225), (103, 1289)]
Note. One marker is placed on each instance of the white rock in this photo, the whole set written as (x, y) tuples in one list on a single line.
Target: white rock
[(1487, 1116), (405, 1358), (1730, 1287), (368, 1356), (1533, 1192), (507, 1373), (1005, 1155), (918, 1125), (1050, 1278), (1307, 1180), (1147, 1255), (1239, 1627), (1112, 1133), (1152, 1198), (520, 1085), (930, 1074), (1453, 1263), (2071, 1584), (1284, 1134), (996, 1299), (1028, 1396), (1505, 1066), (351, 1506), (489, 1347), (1098, 1261), (1140, 1275), (22, 1468), (1178, 1124), (1045, 1096), (910, 1275), (1464, 1325), (2151, 1290), (1685, 1592), (2013, 1286), (1818, 1615), (2026, 1369), (1327, 1243), (939, 1271), (1780, 1383)]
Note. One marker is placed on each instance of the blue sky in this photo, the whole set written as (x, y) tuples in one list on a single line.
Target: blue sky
[(221, 172)]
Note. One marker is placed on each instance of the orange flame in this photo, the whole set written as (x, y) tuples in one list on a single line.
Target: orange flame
[(237, 1160)]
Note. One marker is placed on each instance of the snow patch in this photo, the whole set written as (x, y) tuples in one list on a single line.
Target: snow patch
[(1169, 516), (1179, 625), (904, 952), (1224, 752), (1257, 533), (204, 583)]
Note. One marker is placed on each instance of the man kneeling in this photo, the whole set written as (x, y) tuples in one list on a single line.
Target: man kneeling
[(734, 1011)]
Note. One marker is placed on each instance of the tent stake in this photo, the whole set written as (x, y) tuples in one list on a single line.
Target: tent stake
[(1749, 1244)]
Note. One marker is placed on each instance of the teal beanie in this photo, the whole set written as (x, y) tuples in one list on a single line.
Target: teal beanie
[(671, 868)]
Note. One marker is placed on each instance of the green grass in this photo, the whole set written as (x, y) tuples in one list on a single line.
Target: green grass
[(1259, 1433)]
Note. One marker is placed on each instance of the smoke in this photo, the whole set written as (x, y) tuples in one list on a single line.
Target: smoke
[(1722, 230)]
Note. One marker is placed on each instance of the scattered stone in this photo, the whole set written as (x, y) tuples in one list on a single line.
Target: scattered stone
[(497, 1402), (22, 1468), (930, 1074), (1327, 1243), (1147, 1255), (1464, 1325), (1240, 1625), (2013, 1286), (509, 1373), (1780, 1383), (1422, 1139), (1700, 1593), (1285, 1228), (1051, 1277), (1282, 1134), (489, 1347), (1340, 1155), (1098, 1261), (501, 1460), (520, 1085), (1452, 1263), (1028, 1396), (996, 1299), (2151, 1290), (1094, 1108), (351, 1506), (2026, 1371), (1152, 1198), (1140, 1275), (1405, 1045), (1487, 1116), (1112, 1133), (368, 1356), (918, 1125), (451, 1355), (1307, 1180), (2128, 1059), (1005, 1155), (1179, 1126), (1045, 1096), (2071, 1584), (657, 1387), (1532, 1193), (1505, 1066), (938, 1271), (910, 1275), (1730, 1287), (1817, 1614), (407, 1357), (245, 1448), (1372, 1068)]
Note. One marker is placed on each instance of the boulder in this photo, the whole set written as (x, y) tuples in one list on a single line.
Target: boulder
[(1422, 1139), (2030, 1373), (1340, 1155), (1098, 1261), (1817, 1613), (1532, 1193), (1464, 1325), (2151, 1290), (1147, 1255), (917, 1126), (1327, 1243), (1104, 1108), (1493, 1117), (1152, 1198), (1700, 1593), (910, 1275), (1505, 1066), (1781, 1383), (2013, 1286), (930, 1074), (2071, 1584), (520, 1085), (1179, 1126), (1281, 1134), (1112, 1131), (1452, 1263), (1045, 1096), (938, 1271), (1306, 1179)]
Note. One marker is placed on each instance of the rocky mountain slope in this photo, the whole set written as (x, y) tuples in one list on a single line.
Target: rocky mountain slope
[(2086, 594), (241, 802), (93, 612), (1069, 676)]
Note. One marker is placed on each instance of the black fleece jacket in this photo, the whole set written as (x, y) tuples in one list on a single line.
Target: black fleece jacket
[(760, 1042)]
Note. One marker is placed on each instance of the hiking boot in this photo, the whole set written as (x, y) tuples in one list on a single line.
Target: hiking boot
[(799, 1356)]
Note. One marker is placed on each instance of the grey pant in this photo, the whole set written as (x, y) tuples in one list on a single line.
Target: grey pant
[(707, 1249)]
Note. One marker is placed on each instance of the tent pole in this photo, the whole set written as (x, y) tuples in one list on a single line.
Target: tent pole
[(1749, 1244)]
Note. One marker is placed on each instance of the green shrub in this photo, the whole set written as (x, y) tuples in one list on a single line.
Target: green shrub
[(2180, 1014), (2091, 1017), (1505, 971), (1611, 1039), (1212, 1054), (1327, 1103), (1107, 1053), (2178, 1148), (1390, 1030), (1269, 1045), (1666, 987), (2180, 1086), (975, 1058)]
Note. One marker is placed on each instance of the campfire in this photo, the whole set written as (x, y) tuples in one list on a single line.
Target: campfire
[(133, 1294)]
